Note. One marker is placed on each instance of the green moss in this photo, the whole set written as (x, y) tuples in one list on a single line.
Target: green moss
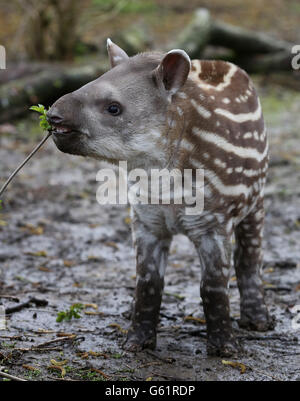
[(90, 376), (131, 6), (33, 374), (277, 101)]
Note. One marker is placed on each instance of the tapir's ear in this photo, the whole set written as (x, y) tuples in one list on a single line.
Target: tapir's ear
[(115, 53), (173, 70)]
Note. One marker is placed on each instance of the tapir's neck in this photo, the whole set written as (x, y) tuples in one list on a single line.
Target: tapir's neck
[(179, 125)]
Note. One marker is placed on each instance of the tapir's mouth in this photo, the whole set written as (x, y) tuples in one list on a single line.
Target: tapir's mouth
[(61, 130)]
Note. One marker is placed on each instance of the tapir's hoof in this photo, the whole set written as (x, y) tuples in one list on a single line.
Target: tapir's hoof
[(136, 342), (268, 323), (223, 348)]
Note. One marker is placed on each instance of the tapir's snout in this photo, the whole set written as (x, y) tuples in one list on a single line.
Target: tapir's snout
[(53, 118), (64, 118), (63, 115)]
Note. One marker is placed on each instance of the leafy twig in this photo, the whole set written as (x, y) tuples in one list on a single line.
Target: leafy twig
[(45, 126)]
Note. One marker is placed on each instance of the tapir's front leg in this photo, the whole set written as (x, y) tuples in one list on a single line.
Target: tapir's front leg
[(214, 253), (151, 260)]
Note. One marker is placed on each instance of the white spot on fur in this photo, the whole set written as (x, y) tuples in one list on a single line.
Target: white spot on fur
[(201, 110), (219, 163), (179, 111)]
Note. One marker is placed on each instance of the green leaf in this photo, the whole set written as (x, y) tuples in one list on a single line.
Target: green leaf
[(43, 119), (67, 315)]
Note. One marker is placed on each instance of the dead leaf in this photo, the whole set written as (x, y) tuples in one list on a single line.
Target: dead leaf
[(176, 265), (111, 244), (100, 372), (118, 327), (93, 353), (178, 296), (68, 263), (38, 253), (63, 334), (195, 319), (93, 258), (44, 269), (33, 230), (268, 285), (94, 306), (84, 355), (93, 313), (60, 368), (237, 365), (127, 220), (44, 331), (58, 363), (29, 367)]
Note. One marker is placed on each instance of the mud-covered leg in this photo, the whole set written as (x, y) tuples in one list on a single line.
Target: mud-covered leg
[(214, 254), (151, 260), (248, 264)]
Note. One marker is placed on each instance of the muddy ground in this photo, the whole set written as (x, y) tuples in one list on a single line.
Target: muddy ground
[(58, 245)]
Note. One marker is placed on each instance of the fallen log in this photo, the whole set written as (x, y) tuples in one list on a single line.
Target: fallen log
[(274, 62), (244, 41), (45, 87), (253, 51), (19, 70)]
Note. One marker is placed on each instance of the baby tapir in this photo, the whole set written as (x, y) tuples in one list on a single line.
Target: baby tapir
[(165, 111)]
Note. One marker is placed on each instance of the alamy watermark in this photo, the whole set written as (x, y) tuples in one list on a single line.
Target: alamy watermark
[(155, 187), (296, 319), (2, 318), (2, 58), (296, 58)]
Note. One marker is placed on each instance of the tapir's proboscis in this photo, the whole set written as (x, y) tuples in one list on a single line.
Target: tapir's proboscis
[(158, 111)]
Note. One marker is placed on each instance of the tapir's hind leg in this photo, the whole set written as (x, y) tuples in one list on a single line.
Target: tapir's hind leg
[(248, 265), (214, 254)]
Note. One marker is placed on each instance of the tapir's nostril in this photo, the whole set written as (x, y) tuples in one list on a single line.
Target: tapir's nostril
[(54, 118)]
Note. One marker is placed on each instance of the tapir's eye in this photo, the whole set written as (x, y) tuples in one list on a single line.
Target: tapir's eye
[(114, 109)]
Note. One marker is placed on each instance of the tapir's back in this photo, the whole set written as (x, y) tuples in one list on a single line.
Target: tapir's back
[(226, 130)]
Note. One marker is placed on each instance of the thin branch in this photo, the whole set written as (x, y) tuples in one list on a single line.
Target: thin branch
[(24, 162), (11, 377)]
